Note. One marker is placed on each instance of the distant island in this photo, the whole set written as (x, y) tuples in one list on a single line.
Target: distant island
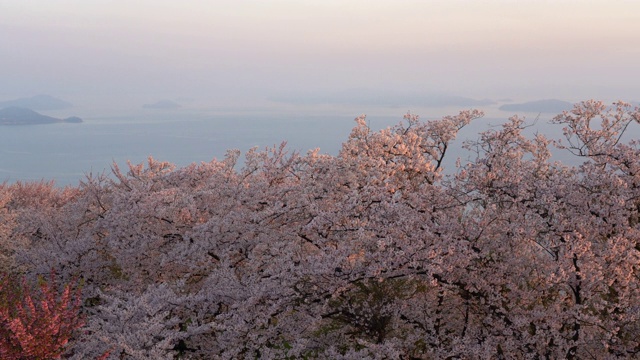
[(162, 104), (22, 116), (38, 102), (363, 97), (539, 106)]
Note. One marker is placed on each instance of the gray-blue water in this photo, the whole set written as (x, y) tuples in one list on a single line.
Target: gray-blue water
[(65, 153)]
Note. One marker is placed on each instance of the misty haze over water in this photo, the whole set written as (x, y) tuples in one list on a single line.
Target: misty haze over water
[(66, 153), (185, 81)]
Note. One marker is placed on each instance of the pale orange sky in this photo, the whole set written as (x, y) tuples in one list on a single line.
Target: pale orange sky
[(254, 49)]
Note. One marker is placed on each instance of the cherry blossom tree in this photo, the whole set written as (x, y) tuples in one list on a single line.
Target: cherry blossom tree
[(373, 253), (36, 325)]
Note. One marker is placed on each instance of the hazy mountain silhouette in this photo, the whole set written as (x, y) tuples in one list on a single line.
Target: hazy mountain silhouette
[(375, 98), (162, 104), (22, 116), (539, 106), (38, 102)]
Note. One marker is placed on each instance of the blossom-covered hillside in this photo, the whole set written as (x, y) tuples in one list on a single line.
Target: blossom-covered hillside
[(372, 253)]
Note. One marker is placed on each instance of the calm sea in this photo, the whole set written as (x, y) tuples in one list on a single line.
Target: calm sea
[(65, 153)]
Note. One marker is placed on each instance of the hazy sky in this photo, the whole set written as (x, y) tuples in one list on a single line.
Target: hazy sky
[(256, 49)]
